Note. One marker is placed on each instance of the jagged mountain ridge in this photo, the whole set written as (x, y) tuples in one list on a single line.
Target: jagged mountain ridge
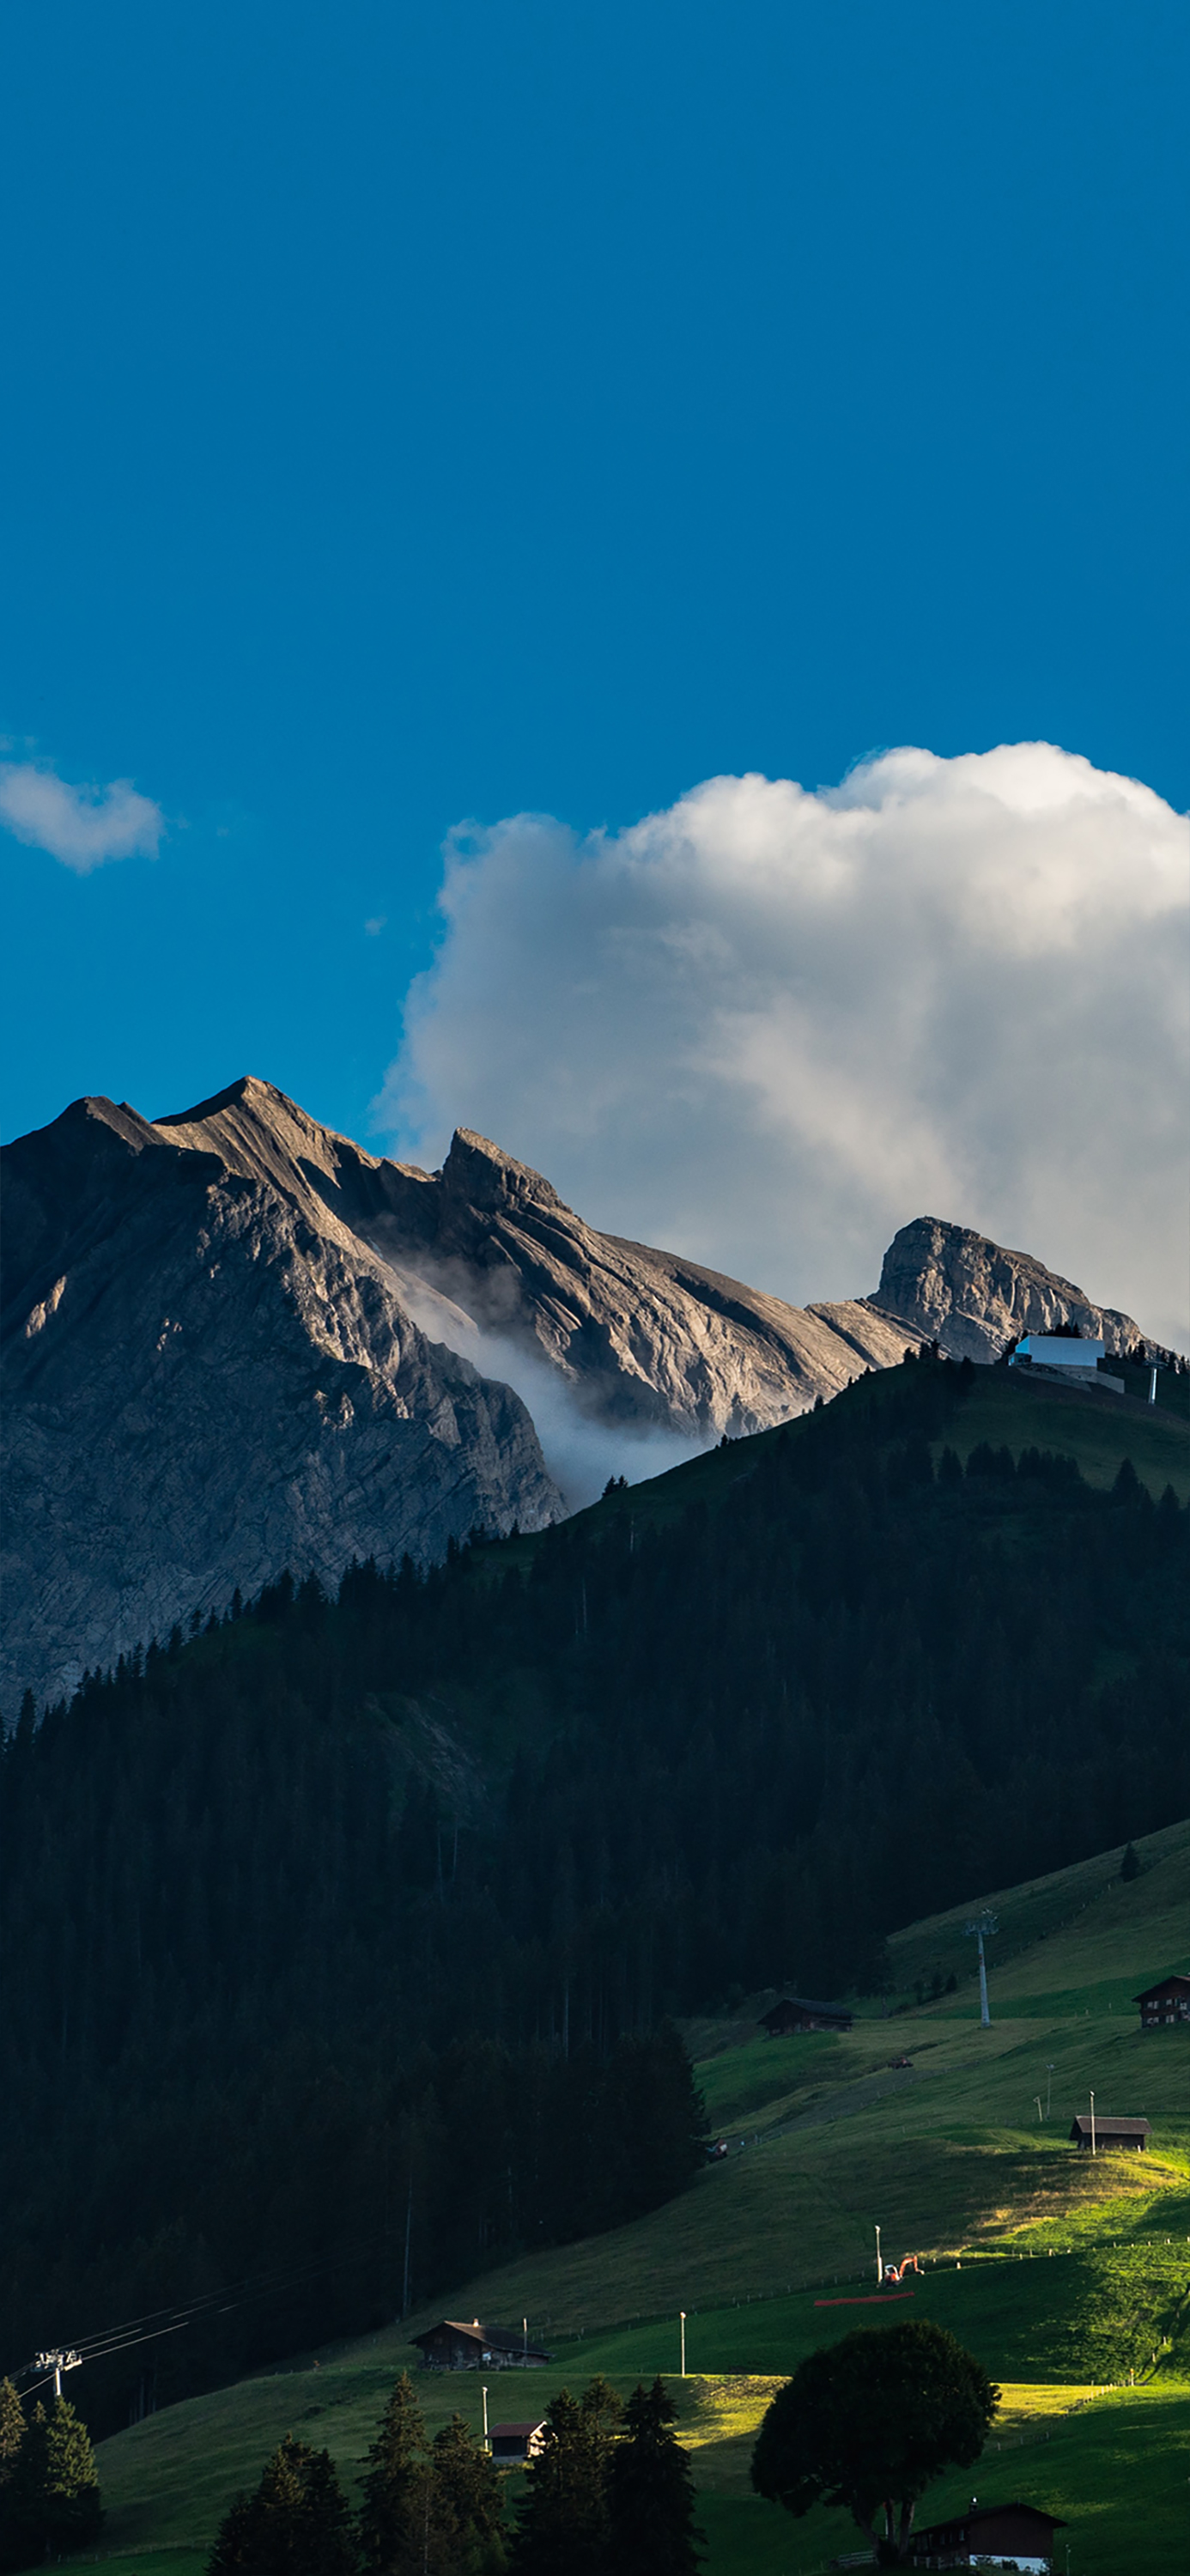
[(235, 1340)]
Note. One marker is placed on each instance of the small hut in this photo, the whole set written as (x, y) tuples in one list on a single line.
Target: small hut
[(452, 2345), (794, 2013), (512, 2444), (990, 2535), (1103, 2133)]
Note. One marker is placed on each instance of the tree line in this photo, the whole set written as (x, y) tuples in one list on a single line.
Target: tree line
[(421, 1875), (609, 2494)]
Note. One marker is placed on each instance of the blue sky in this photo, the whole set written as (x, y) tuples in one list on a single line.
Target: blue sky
[(417, 414)]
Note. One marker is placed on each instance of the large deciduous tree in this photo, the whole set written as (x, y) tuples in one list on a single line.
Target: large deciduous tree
[(868, 2422)]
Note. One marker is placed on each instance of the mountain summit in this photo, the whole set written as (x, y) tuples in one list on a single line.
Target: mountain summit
[(233, 1341)]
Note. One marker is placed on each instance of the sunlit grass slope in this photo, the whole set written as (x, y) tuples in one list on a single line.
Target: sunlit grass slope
[(1063, 2274)]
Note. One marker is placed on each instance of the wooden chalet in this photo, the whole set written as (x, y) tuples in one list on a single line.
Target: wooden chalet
[(1109, 2133), (990, 2535), (1168, 2001), (512, 2444), (452, 2345), (794, 2014)]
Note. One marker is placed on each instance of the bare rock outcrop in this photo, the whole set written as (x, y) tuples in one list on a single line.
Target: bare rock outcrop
[(949, 1284)]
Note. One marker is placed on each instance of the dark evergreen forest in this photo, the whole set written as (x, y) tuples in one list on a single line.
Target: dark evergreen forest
[(342, 1941)]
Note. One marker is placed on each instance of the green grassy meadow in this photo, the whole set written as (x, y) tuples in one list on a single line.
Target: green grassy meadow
[(1070, 2278)]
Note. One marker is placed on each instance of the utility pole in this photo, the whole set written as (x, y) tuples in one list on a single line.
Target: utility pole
[(980, 1930), (682, 2322), (879, 2264), (58, 2361), (484, 2395), (1092, 2124)]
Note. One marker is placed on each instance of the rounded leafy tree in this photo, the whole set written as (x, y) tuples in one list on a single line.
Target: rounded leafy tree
[(868, 2422)]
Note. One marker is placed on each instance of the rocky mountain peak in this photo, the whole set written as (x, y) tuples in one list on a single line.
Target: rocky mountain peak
[(957, 1287), (482, 1175)]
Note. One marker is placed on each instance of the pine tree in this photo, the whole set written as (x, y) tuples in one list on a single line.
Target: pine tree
[(12, 2434), (562, 2520), (466, 2508), (53, 2492), (651, 2493), (296, 2524), (395, 2503), (71, 2506), (12, 2430)]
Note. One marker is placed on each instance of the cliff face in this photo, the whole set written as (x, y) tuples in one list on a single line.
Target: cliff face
[(233, 1341), (209, 1378), (973, 1296)]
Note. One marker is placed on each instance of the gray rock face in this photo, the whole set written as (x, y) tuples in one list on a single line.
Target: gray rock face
[(639, 1337), (233, 1341), (973, 1296), (208, 1378)]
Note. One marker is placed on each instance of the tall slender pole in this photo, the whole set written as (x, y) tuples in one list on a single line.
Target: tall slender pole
[(682, 2321), (879, 2264), (1092, 2124), (408, 2234), (485, 2418), (983, 1924)]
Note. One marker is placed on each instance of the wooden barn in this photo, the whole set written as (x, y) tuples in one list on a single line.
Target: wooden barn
[(992, 2535), (1104, 2134), (794, 2014), (452, 2345), (512, 2444), (1166, 2002)]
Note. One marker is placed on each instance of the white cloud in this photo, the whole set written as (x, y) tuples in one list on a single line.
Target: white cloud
[(82, 826), (766, 1027)]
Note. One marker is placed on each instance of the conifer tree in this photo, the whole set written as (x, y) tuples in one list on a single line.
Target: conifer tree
[(651, 2493), (562, 2520), (12, 2430), (465, 2504), (53, 2493), (395, 2502), (12, 2434), (296, 2524)]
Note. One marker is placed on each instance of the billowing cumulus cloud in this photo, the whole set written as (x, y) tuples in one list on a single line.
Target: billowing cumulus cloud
[(82, 826), (767, 1027)]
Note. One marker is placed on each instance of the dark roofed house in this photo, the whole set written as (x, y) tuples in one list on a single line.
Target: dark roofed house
[(452, 2345), (795, 2014), (1167, 2001), (512, 2444), (992, 2535), (1104, 2132)]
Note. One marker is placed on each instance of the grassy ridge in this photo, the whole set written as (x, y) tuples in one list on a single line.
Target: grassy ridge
[(1003, 1408), (1061, 2273)]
